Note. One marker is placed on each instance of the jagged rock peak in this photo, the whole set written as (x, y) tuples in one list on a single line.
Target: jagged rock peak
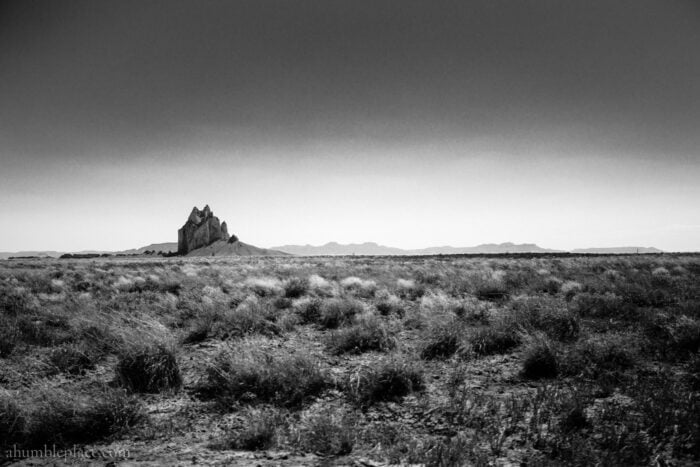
[(201, 229)]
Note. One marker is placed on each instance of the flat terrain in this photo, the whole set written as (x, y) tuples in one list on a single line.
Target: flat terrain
[(452, 360)]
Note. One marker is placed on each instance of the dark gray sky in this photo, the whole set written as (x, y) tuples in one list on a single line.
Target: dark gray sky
[(562, 122)]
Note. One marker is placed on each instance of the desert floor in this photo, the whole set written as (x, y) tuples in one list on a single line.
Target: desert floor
[(543, 360)]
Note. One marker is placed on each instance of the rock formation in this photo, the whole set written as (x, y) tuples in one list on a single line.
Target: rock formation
[(201, 229)]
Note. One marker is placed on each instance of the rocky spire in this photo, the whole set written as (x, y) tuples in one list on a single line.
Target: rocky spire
[(201, 229)]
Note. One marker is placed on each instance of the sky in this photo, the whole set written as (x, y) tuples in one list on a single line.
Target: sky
[(566, 123)]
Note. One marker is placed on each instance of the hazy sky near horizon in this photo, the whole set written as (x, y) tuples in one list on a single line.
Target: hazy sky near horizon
[(566, 123)]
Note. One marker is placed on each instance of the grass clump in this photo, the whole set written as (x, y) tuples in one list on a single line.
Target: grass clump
[(9, 337), (259, 432), (296, 287), (595, 305), (308, 310), (491, 291), (600, 355), (12, 420), (338, 312), (367, 335), (391, 307), (15, 303), (387, 380), (443, 341), (149, 369), (673, 337), (249, 375), (327, 432), (548, 315), (250, 317), (56, 417), (540, 359), (73, 359), (501, 337)]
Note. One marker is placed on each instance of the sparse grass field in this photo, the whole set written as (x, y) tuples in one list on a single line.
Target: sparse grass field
[(287, 361)]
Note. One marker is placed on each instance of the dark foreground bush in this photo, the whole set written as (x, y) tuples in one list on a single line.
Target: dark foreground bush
[(63, 419), (367, 335), (540, 359), (149, 369), (248, 375), (388, 380)]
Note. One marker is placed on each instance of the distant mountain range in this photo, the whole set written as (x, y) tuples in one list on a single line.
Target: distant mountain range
[(619, 250), (371, 248), (337, 249)]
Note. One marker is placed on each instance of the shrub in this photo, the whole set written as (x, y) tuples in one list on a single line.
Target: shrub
[(597, 356), (500, 337), (250, 317), (443, 340), (595, 305), (308, 310), (540, 359), (368, 334), (9, 337), (548, 315), (390, 307), (258, 433), (359, 287), (264, 286), (57, 417), (14, 303), (200, 330), (44, 331), (685, 336), (569, 289), (282, 303), (491, 291), (73, 358), (693, 372), (246, 374), (327, 432), (320, 286), (673, 337), (409, 290), (338, 312), (296, 287), (387, 380), (12, 420), (149, 369)]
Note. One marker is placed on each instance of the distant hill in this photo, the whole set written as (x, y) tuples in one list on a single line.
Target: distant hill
[(155, 247), (43, 254), (8, 254), (236, 248), (624, 250), (371, 248)]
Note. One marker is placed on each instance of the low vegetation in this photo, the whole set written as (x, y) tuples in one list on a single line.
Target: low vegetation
[(529, 360)]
